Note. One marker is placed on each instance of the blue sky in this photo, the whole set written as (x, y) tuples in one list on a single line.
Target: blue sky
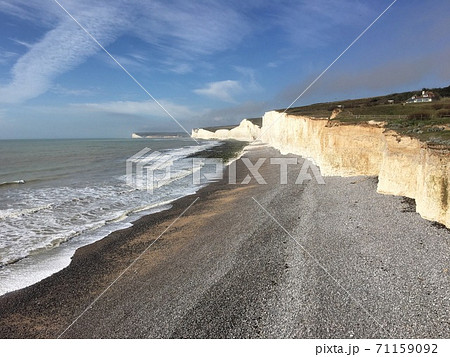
[(206, 62)]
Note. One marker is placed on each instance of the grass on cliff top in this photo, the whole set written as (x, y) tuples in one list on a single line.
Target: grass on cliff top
[(429, 122)]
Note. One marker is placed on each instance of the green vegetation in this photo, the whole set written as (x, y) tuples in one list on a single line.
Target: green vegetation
[(429, 122), (256, 121), (215, 128), (226, 151)]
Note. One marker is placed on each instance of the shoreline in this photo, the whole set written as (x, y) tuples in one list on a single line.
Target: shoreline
[(85, 257), (49, 262), (225, 270)]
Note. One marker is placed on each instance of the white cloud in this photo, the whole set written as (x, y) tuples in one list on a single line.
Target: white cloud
[(61, 49), (6, 56), (227, 90), (249, 81), (138, 108), (138, 57), (182, 35), (58, 89), (189, 28), (181, 68), (127, 61), (222, 90), (22, 43), (43, 13), (180, 29)]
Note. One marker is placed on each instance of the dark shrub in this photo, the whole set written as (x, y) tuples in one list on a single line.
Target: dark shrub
[(443, 113), (419, 116)]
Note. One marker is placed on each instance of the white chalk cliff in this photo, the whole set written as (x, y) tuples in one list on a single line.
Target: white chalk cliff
[(405, 166), (246, 131)]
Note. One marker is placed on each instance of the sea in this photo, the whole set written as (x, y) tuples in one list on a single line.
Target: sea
[(59, 195)]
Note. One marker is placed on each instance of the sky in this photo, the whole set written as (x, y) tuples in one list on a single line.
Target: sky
[(205, 62)]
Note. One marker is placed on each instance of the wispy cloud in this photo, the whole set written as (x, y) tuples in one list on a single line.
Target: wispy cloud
[(139, 108), (6, 56), (22, 43), (128, 61), (249, 78), (61, 49), (42, 13), (181, 68), (222, 90), (182, 36), (313, 23), (179, 29), (228, 90), (61, 90), (190, 27)]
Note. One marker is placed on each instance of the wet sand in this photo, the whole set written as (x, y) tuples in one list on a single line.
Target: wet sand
[(354, 264)]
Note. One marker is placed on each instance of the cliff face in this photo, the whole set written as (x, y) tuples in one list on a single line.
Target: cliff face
[(412, 169), (404, 166), (246, 131), (338, 150)]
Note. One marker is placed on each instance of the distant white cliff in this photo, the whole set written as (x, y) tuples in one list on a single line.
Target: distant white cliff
[(245, 131), (159, 135)]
